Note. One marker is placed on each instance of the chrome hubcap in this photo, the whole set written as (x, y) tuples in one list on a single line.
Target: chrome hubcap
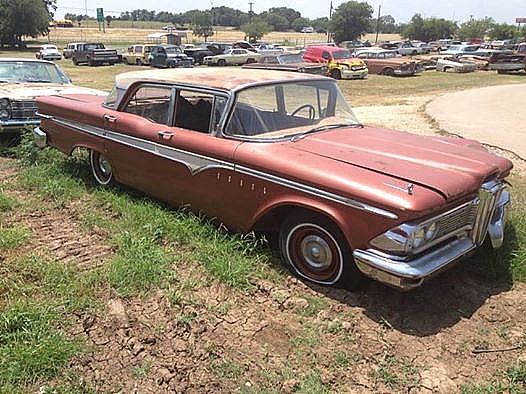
[(104, 166), (316, 252)]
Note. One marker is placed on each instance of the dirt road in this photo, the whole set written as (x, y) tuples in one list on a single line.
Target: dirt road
[(495, 115)]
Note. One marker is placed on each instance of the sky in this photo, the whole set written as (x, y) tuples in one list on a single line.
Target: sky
[(401, 10)]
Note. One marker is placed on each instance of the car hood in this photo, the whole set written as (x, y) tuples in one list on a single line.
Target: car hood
[(452, 167), (29, 91)]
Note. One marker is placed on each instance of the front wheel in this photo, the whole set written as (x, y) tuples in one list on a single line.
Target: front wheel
[(100, 168), (317, 251), (336, 74)]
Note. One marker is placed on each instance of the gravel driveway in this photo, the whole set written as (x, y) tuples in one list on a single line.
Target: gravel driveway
[(494, 115)]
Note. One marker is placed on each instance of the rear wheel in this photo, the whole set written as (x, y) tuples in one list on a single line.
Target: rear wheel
[(75, 61), (138, 62), (250, 60), (101, 168), (317, 251)]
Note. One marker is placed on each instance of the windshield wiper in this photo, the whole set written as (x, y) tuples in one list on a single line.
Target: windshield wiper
[(299, 136)]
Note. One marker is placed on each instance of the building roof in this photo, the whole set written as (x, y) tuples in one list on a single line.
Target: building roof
[(223, 78)]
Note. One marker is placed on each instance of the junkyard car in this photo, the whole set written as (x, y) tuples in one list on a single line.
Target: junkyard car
[(289, 62), (385, 62), (505, 64), (455, 64), (138, 54), (234, 56), (341, 63), (274, 151), (21, 81), (169, 56), (48, 52)]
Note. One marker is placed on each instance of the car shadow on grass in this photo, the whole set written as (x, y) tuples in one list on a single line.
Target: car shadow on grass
[(441, 302)]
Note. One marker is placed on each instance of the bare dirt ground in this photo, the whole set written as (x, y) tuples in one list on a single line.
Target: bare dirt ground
[(216, 339)]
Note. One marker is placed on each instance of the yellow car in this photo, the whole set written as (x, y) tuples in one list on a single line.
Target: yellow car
[(137, 54)]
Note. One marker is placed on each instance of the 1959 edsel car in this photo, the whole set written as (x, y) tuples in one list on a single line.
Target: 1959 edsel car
[(267, 150)]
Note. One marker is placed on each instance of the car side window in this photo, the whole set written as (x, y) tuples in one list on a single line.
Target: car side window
[(152, 103), (325, 55), (198, 111)]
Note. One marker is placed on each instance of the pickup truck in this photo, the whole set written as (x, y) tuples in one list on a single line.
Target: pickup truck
[(94, 54)]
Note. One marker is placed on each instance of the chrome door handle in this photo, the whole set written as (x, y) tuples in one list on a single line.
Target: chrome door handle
[(110, 118), (165, 135)]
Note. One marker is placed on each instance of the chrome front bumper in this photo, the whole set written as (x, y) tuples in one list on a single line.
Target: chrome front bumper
[(40, 137), (406, 274), (10, 126), (354, 74)]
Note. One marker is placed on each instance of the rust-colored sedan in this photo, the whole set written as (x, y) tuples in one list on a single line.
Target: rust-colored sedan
[(273, 151), (386, 62)]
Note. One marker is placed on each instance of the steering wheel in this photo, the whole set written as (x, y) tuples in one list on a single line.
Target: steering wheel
[(312, 110)]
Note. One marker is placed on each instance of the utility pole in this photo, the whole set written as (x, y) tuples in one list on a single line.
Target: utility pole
[(330, 17), (250, 12), (377, 25), (86, 10)]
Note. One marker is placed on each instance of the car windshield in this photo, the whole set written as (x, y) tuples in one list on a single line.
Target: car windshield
[(31, 71), (175, 50), (341, 54), (289, 110), (90, 47), (293, 58)]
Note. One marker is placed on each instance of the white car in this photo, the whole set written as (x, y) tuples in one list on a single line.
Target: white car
[(235, 56), (22, 81), (455, 64), (48, 52)]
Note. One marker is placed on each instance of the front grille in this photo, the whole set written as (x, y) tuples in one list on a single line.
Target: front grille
[(461, 218), (23, 110)]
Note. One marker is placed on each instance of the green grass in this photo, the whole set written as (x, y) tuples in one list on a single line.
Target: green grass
[(31, 347), (12, 237), (513, 381), (6, 203)]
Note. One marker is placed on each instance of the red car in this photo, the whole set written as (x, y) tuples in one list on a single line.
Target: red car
[(273, 151)]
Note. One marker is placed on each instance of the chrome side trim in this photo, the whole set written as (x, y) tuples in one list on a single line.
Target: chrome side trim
[(194, 162), (44, 116), (197, 163), (316, 192)]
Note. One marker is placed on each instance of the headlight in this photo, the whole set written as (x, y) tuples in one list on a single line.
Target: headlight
[(406, 238), (4, 103), (4, 114)]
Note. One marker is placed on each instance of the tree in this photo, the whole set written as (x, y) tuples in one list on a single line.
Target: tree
[(475, 28), (276, 21), (300, 23), (202, 24), (428, 29), (288, 13), (20, 18), (387, 25), (350, 21), (255, 30), (502, 31), (79, 19), (108, 18)]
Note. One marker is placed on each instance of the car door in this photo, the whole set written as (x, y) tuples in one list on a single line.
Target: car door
[(162, 142)]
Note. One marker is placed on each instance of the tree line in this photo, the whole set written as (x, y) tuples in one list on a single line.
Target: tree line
[(350, 20)]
